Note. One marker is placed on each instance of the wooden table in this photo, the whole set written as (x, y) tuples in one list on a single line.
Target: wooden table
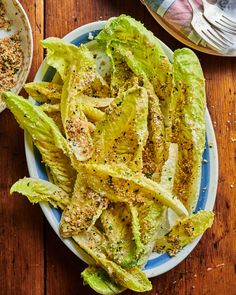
[(33, 260)]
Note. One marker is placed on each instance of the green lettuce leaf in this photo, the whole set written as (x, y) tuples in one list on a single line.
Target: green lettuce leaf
[(115, 223), (122, 134), (50, 108), (60, 55), (122, 77), (132, 278), (97, 102), (75, 123), (46, 137), (38, 190), (119, 183), (81, 81), (98, 280), (169, 168), (184, 232), (155, 151), (132, 40), (135, 226), (188, 129), (93, 114), (153, 217), (82, 212), (49, 91), (43, 91)]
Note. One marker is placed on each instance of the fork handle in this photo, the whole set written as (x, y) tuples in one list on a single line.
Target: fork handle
[(206, 4), (194, 7)]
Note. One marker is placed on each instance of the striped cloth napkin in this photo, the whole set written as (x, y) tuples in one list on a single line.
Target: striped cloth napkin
[(178, 15)]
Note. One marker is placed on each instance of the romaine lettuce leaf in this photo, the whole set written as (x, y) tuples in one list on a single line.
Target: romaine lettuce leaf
[(50, 108), (82, 212), (153, 217), (136, 230), (43, 91), (49, 91), (184, 232), (75, 123), (46, 137), (155, 151), (132, 40), (115, 223), (119, 183), (122, 77), (188, 128), (132, 278), (169, 168), (97, 102), (60, 55), (38, 190), (98, 280), (122, 134), (92, 113), (82, 80)]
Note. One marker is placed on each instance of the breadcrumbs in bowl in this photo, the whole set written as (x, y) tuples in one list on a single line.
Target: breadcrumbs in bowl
[(16, 47), (11, 60)]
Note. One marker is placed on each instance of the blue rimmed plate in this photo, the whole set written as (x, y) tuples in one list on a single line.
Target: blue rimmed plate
[(157, 264)]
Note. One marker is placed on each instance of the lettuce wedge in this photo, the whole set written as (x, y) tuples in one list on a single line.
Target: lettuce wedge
[(60, 55), (46, 137), (75, 123), (130, 38), (121, 247), (38, 190), (184, 232), (122, 134), (99, 281), (120, 183), (132, 278), (153, 217), (43, 91), (188, 129), (82, 212)]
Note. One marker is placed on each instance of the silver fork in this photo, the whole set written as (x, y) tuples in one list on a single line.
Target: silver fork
[(212, 36), (219, 18)]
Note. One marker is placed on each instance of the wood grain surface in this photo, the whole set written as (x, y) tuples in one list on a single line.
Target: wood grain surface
[(33, 260)]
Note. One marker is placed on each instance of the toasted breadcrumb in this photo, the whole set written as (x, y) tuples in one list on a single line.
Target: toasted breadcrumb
[(11, 59)]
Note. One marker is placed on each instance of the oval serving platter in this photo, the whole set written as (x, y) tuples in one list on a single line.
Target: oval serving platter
[(157, 263)]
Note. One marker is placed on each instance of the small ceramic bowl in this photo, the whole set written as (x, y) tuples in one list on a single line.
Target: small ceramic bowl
[(19, 23)]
